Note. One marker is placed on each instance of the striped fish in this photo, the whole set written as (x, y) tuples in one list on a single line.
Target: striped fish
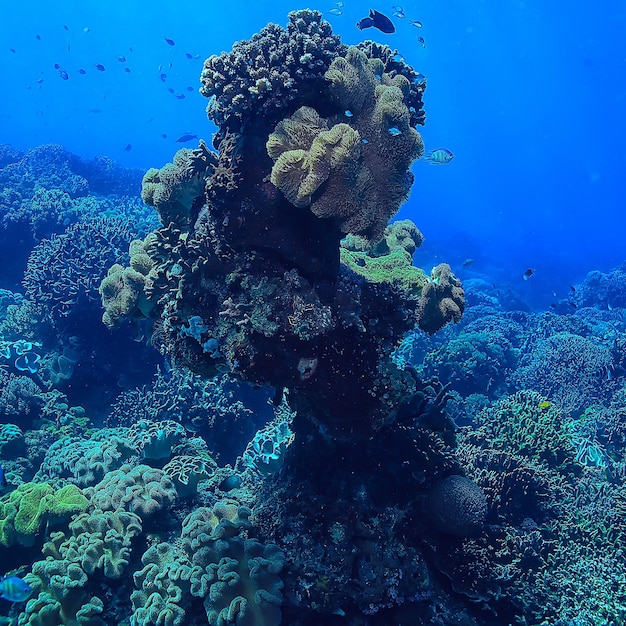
[(440, 156)]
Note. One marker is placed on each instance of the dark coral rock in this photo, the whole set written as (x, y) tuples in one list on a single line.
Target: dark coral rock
[(456, 506)]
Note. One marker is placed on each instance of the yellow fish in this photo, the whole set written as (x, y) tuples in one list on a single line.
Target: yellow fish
[(544, 404)]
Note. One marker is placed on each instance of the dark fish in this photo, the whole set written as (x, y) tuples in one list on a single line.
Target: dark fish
[(100, 67), (189, 55), (69, 47), (65, 26), (377, 20), (12, 50), (127, 70), (572, 288), (171, 90), (190, 89), (529, 273), (421, 40), (82, 71), (180, 96), (186, 137), (38, 37), (121, 58), (169, 42), (163, 77), (57, 66), (164, 135), (63, 74), (468, 262), (128, 147)]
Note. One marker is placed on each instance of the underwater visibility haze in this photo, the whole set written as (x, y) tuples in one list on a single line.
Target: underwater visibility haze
[(313, 315)]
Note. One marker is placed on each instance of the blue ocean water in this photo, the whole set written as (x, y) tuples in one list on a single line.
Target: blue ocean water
[(211, 415), (527, 96)]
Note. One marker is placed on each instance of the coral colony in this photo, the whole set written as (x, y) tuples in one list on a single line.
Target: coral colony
[(243, 412)]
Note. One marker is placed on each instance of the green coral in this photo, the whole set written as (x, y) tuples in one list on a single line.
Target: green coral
[(98, 542), (353, 166), (525, 424), (25, 512), (396, 267), (123, 290), (173, 189), (237, 577), (141, 489)]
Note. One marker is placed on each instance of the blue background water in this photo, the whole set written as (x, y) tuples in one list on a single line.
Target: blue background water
[(528, 95)]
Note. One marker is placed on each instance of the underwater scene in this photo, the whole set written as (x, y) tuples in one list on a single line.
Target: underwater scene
[(313, 315)]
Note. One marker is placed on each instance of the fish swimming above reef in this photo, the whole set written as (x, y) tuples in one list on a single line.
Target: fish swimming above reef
[(14, 589), (529, 273), (186, 137), (377, 20), (440, 156)]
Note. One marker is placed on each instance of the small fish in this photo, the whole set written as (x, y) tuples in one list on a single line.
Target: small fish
[(180, 96), (468, 262), (121, 58), (65, 26), (128, 147), (544, 404), (529, 273), (3, 478), (163, 77), (14, 589), (12, 50), (189, 55), (164, 135), (572, 288), (57, 66), (185, 138), (171, 90), (38, 37), (127, 70), (39, 81), (100, 67), (415, 23), (93, 110), (63, 74), (377, 20), (190, 89), (440, 156), (398, 12), (347, 113), (169, 42), (336, 11), (69, 47), (394, 131), (86, 29), (421, 40), (339, 4), (82, 71)]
